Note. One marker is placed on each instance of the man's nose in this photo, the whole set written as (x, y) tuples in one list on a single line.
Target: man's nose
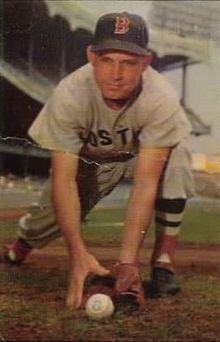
[(117, 71)]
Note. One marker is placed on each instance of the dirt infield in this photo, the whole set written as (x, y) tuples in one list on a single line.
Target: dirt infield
[(11, 214), (185, 320), (198, 259)]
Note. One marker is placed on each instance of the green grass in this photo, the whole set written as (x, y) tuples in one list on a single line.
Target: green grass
[(200, 226)]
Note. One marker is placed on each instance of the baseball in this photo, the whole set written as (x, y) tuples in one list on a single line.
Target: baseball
[(99, 306)]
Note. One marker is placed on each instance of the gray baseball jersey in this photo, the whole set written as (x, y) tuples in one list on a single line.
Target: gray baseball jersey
[(77, 120)]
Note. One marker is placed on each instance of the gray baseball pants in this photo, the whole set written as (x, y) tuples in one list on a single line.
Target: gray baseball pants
[(95, 181)]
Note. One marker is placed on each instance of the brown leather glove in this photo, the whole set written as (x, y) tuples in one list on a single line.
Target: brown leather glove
[(128, 287), (98, 284)]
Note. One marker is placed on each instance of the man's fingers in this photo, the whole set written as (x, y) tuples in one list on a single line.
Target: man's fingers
[(75, 291), (123, 282), (77, 278), (122, 285), (126, 276), (97, 268), (73, 300), (79, 292), (70, 301), (100, 270)]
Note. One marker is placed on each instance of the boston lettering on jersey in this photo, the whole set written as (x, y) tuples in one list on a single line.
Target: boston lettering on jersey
[(104, 138)]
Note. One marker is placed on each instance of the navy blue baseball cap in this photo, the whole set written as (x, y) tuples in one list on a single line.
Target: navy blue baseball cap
[(121, 31)]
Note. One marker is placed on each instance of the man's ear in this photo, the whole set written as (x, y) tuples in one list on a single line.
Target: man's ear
[(90, 55), (147, 60)]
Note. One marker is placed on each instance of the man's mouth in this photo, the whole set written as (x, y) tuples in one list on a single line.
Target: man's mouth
[(114, 85)]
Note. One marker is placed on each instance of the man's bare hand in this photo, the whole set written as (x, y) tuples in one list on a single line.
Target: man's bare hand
[(80, 267)]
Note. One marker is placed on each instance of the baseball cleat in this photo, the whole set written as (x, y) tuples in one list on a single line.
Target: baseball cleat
[(6, 257), (163, 283)]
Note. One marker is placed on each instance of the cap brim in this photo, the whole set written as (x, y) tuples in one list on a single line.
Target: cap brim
[(116, 44)]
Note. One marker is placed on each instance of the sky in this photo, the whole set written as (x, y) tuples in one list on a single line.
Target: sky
[(138, 7)]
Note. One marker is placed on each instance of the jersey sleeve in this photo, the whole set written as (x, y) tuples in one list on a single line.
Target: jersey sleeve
[(58, 124), (165, 126)]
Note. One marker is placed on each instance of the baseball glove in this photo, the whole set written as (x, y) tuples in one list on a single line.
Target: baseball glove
[(98, 284), (123, 285), (128, 287)]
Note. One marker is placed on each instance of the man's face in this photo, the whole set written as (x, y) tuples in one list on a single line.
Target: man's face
[(117, 73)]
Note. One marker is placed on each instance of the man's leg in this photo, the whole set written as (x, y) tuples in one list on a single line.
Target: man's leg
[(35, 230), (168, 219), (39, 226), (176, 186)]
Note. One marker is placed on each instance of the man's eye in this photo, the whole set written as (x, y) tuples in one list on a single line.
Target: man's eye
[(130, 63), (106, 60)]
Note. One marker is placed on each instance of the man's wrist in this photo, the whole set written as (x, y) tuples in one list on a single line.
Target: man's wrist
[(126, 263), (76, 250), (128, 258)]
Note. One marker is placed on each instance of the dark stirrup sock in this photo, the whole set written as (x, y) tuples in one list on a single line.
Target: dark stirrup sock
[(20, 250)]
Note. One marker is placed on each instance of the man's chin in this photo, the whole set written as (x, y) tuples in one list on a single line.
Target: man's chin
[(116, 100), (115, 96)]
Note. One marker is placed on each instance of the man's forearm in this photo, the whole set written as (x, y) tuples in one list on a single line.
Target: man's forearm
[(148, 168), (137, 222), (68, 213)]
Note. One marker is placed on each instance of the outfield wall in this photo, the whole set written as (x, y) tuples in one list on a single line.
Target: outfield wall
[(206, 163)]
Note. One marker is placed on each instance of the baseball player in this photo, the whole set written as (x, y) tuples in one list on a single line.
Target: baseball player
[(112, 115)]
